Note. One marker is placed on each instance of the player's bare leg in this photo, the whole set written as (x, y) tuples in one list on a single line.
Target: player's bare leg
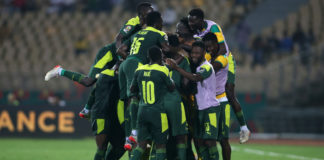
[(226, 149), (230, 92), (102, 143)]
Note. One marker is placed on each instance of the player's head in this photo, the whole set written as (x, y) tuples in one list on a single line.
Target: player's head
[(196, 19), (174, 45), (198, 51), (155, 55), (183, 29), (154, 19), (211, 43), (143, 9)]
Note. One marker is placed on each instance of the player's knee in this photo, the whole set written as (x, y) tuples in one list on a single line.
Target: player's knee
[(210, 143), (224, 142), (143, 144), (158, 146), (181, 138)]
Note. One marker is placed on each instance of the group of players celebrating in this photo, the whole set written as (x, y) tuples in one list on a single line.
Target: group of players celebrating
[(163, 91)]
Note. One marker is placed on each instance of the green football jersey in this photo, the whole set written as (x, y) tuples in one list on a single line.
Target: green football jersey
[(143, 40), (176, 76), (152, 82), (105, 59)]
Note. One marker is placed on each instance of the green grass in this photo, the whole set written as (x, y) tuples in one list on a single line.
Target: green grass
[(65, 149)]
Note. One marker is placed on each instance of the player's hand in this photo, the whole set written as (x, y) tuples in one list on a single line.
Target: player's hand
[(171, 63)]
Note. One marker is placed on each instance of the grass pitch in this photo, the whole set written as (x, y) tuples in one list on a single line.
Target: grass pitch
[(65, 149)]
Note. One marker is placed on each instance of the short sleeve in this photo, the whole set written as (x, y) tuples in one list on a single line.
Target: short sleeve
[(218, 32), (222, 60), (205, 71), (129, 27)]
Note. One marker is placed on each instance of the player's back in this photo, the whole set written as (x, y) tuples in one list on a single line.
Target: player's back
[(143, 40), (152, 81)]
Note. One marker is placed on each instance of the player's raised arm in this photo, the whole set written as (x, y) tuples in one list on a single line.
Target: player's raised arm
[(122, 51), (190, 76)]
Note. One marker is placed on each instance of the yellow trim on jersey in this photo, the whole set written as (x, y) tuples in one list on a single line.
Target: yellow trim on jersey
[(231, 67), (208, 57), (149, 28), (213, 119), (120, 111), (205, 66), (133, 21), (156, 67), (100, 125), (227, 115), (183, 114), (221, 95), (164, 122), (222, 59), (108, 72), (104, 60)]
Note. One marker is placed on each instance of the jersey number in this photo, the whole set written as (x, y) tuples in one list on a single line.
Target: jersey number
[(148, 92), (136, 45)]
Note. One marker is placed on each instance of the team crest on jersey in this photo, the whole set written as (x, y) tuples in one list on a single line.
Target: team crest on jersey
[(127, 28)]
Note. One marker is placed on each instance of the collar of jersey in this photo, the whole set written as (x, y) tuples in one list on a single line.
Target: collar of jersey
[(149, 28), (156, 67)]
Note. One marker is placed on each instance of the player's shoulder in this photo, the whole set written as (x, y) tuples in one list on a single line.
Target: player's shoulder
[(163, 69), (222, 59), (154, 30), (133, 21), (154, 67), (213, 26), (206, 66), (184, 62)]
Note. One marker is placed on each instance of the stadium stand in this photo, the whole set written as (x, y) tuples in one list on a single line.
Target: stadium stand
[(36, 40)]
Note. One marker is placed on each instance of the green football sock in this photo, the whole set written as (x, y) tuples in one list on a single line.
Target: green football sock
[(137, 153), (91, 99), (182, 151), (161, 154), (127, 123), (240, 118), (203, 153), (133, 112), (213, 153), (100, 155), (74, 76)]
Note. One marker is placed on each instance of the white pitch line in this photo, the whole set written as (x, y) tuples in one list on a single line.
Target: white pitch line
[(273, 154)]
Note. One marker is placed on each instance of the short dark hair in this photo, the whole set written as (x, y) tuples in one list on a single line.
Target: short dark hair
[(197, 12), (142, 6), (173, 40), (210, 37), (184, 20), (155, 53), (199, 44), (152, 18)]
